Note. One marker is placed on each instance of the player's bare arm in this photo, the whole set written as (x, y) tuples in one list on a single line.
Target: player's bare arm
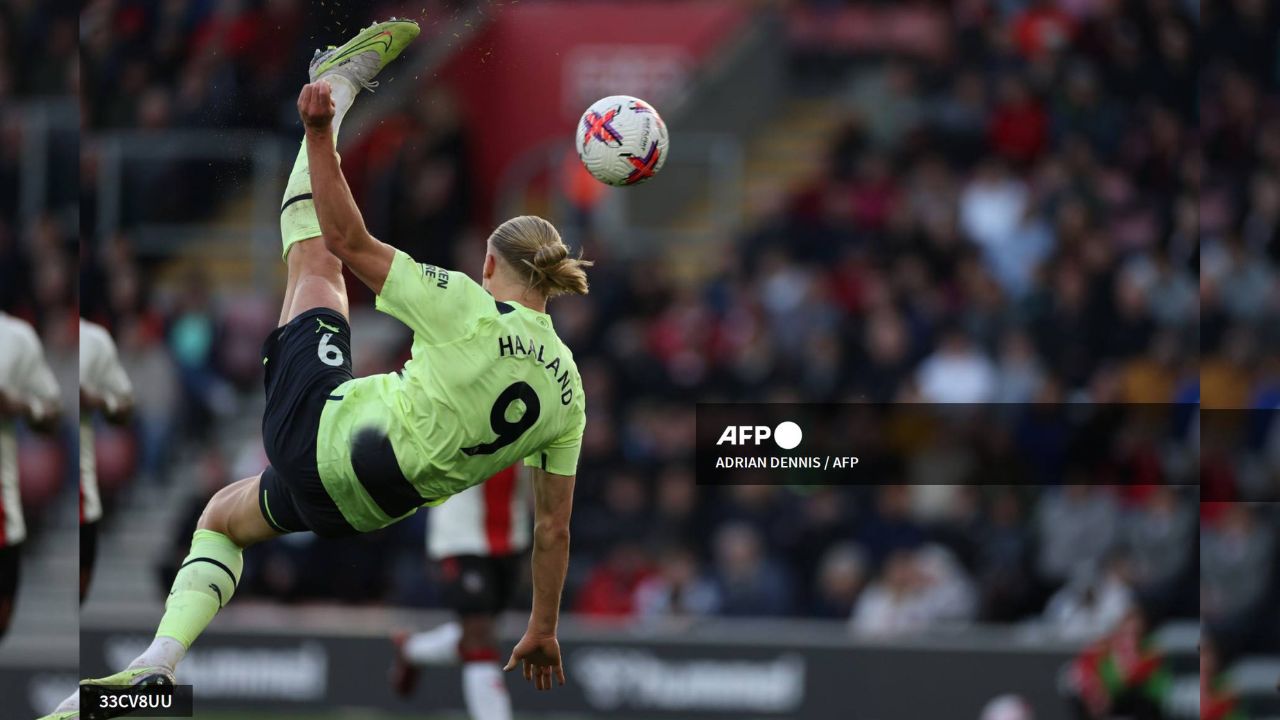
[(539, 650), (341, 224)]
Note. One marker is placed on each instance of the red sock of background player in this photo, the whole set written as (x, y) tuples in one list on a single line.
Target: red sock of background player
[(483, 686)]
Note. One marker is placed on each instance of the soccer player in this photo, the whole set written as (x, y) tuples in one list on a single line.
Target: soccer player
[(477, 537), (28, 391), (488, 384), (105, 388)]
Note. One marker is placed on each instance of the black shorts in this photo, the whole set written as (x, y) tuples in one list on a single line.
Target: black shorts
[(304, 360), (478, 584), (10, 567)]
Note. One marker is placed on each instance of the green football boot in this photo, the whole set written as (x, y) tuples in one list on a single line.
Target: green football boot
[(133, 677), (364, 56)]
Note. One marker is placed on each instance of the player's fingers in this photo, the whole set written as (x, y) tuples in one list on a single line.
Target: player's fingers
[(544, 675), (528, 670), (511, 663), (560, 674)]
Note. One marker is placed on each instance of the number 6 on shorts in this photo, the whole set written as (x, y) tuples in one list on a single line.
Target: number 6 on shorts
[(329, 355)]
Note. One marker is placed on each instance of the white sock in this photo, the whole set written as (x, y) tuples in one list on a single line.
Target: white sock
[(344, 94), (438, 646), (163, 652), (71, 703), (485, 691)]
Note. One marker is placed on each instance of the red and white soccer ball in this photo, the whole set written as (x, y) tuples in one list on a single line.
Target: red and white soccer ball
[(621, 140)]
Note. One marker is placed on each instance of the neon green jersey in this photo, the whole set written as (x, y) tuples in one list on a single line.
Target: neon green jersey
[(489, 383)]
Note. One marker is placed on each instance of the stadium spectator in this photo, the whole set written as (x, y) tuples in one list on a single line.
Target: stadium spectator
[(610, 589), (1075, 527), (1093, 602), (948, 595), (678, 589), (958, 372), (1236, 562), (841, 576), (890, 527), (1004, 558), (1159, 537), (750, 583)]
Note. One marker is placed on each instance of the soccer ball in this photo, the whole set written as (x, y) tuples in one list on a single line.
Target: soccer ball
[(621, 140)]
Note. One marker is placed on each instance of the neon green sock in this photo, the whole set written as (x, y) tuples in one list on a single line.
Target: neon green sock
[(298, 219), (204, 585), (297, 212)]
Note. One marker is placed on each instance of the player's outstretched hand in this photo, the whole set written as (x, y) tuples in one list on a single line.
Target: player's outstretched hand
[(540, 655), (315, 105)]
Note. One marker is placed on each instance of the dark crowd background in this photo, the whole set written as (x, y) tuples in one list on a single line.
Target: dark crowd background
[(1079, 202), (39, 219)]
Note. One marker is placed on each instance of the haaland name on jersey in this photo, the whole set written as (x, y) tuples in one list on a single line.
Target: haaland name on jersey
[(514, 346)]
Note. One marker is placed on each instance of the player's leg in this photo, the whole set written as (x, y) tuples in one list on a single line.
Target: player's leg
[(483, 686), (315, 275), (88, 556), (10, 567), (205, 583), (231, 521), (471, 641), (478, 588)]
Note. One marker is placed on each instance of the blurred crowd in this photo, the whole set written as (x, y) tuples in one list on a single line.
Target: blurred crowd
[(890, 559), (1020, 220), (38, 213)]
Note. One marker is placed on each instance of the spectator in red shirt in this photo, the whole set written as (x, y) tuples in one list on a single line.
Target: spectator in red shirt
[(1019, 126), (1042, 28), (610, 588)]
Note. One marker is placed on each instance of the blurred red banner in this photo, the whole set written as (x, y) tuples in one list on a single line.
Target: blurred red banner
[(526, 77)]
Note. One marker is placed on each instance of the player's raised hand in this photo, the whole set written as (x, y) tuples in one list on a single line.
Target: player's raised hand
[(541, 658), (315, 105)]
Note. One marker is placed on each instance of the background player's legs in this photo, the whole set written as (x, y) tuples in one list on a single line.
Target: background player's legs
[(483, 687), (88, 555), (472, 641), (10, 564)]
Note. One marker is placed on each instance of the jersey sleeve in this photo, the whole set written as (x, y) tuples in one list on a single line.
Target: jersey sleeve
[(561, 456), (100, 370), (435, 303), (35, 384)]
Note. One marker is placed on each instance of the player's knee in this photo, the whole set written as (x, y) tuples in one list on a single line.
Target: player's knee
[(312, 257), (217, 512)]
